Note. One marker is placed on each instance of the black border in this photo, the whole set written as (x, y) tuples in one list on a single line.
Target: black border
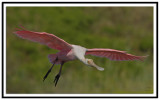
[(81, 3)]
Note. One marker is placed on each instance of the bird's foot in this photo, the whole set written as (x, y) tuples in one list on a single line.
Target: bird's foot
[(49, 71), (46, 74), (56, 79)]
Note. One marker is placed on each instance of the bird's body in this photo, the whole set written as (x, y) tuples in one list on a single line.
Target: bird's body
[(77, 52), (68, 52), (62, 56)]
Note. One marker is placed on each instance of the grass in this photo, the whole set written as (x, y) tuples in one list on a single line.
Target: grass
[(124, 28)]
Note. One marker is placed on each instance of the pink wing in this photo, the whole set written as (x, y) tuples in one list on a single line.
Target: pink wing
[(114, 54), (50, 40)]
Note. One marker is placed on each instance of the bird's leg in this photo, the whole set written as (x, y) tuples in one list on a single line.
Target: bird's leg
[(50, 69), (58, 75)]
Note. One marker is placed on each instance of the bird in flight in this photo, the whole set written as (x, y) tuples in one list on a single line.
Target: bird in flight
[(69, 52)]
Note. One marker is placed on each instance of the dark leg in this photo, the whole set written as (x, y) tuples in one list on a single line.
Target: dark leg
[(58, 75), (50, 69)]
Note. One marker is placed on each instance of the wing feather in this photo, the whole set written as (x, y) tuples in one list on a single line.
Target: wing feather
[(50, 40), (113, 54), (120, 57)]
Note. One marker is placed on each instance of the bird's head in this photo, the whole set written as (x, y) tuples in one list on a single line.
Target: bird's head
[(90, 62)]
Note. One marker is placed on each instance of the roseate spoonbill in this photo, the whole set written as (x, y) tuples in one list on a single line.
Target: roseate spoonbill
[(69, 52)]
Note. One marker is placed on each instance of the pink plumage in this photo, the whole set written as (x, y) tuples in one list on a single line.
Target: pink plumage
[(68, 52), (114, 54), (50, 40)]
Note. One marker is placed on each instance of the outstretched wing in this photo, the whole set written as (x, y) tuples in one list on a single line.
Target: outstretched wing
[(50, 40), (113, 54)]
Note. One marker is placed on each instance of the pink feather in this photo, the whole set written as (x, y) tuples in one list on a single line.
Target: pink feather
[(114, 54), (50, 40)]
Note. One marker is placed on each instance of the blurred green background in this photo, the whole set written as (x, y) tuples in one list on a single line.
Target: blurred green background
[(123, 28)]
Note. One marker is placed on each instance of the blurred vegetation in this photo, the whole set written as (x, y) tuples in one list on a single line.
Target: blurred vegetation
[(123, 28)]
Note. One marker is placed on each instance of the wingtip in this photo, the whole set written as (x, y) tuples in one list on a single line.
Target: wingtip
[(14, 32), (142, 58), (22, 27), (145, 56)]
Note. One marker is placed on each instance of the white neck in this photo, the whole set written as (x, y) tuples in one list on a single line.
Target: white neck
[(79, 52)]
